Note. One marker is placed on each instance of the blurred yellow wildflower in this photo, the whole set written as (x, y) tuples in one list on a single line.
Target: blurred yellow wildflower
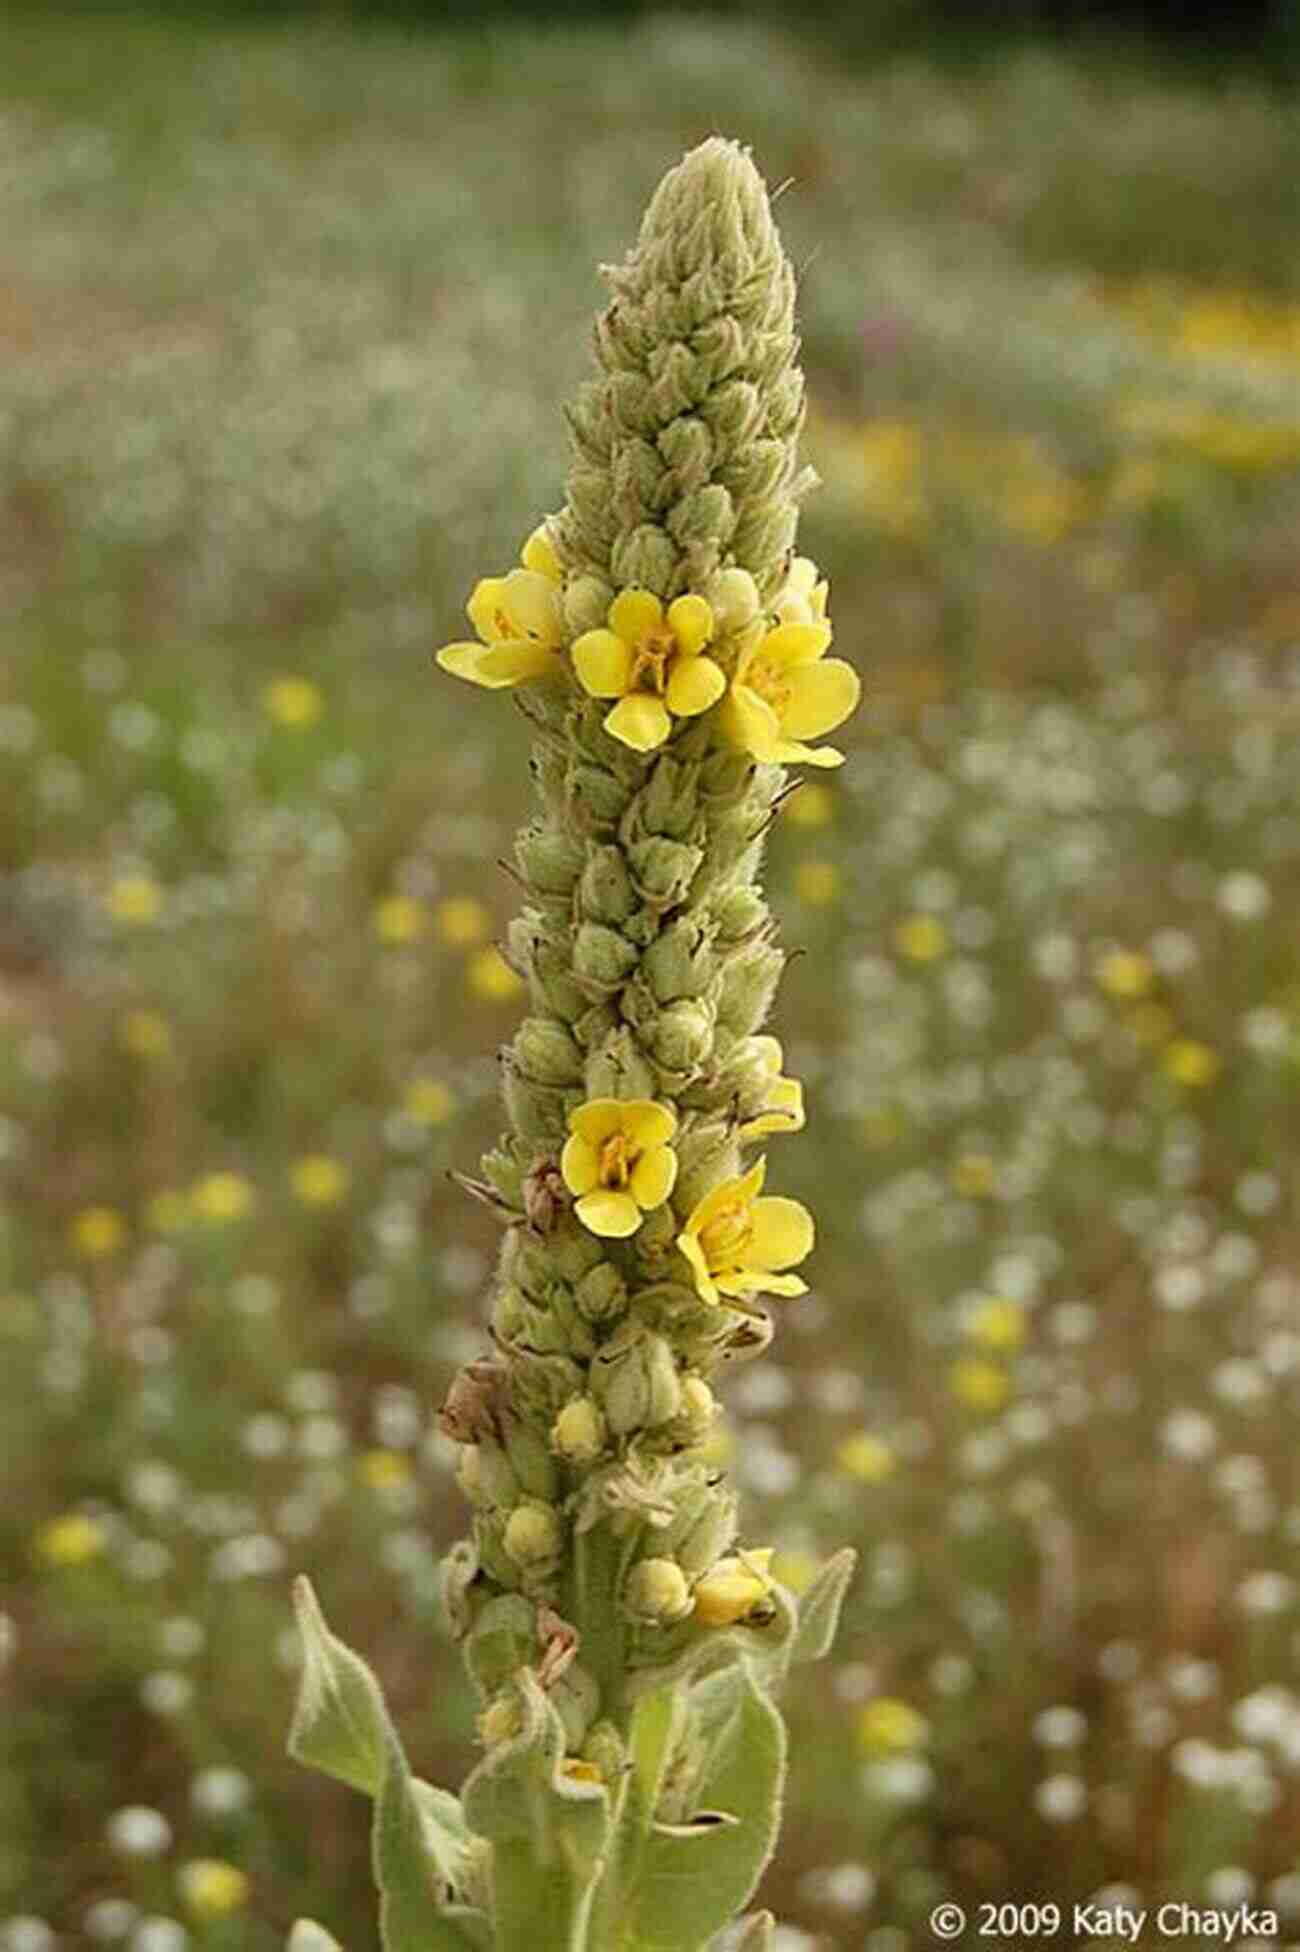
[(998, 1326), (921, 938), (974, 1176), (865, 1457), (783, 1106), (812, 806), (653, 663), (97, 1232), (428, 1101), (619, 1163), (399, 919), (145, 1034), (221, 1197), (519, 621), (785, 691), (211, 1888), (1124, 973), (70, 1541), (817, 883), (462, 921), (293, 701), (736, 1242), (979, 1385), (734, 1587), (1190, 1063), (134, 900), (318, 1180), (888, 1727), (893, 456), (490, 976), (384, 1470)]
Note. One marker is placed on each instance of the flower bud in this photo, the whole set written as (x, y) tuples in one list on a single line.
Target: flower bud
[(635, 1378), (619, 1070), (500, 1722), (544, 1052), (663, 869), (542, 1384), (578, 1433), (457, 1575), (739, 913), (504, 1175), (646, 559), (496, 1480), (509, 1312), (605, 890), (533, 1535), (468, 1474), (530, 1459), (606, 1750), (682, 1036), (711, 1533), (699, 1407), (574, 1252), (504, 1639), (602, 959), (734, 1588), (732, 595), (601, 1294), (678, 962), (586, 604), (749, 981), (536, 1110), (656, 1592), (601, 795), (550, 860), (666, 804)]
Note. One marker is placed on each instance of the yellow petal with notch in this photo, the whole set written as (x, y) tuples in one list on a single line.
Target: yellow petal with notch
[(634, 613), (654, 1176), (795, 644), (603, 663), (612, 1215), (694, 684), (647, 1123), (580, 1164), (821, 697), (598, 1119), (783, 1234), (639, 721), (690, 620)]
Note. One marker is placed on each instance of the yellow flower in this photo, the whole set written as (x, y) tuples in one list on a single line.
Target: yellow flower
[(318, 1180), (921, 938), (734, 1587), (134, 899), (868, 1458), (461, 920), (211, 1888), (980, 1385), (787, 690), (997, 1325), (803, 599), (783, 1105), (519, 621), (399, 918), (97, 1232), (220, 1197), (619, 1161), (812, 806), (888, 1726), (490, 976), (1190, 1063), (653, 663), (384, 1470), (817, 883), (70, 1541), (736, 1242), (973, 1175), (293, 701), (145, 1034), (1125, 973), (428, 1101)]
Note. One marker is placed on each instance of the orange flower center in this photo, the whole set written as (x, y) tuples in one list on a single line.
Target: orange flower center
[(650, 662), (771, 684), (727, 1235), (616, 1160)]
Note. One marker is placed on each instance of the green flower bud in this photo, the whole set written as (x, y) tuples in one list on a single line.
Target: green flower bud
[(635, 1379), (725, 777), (574, 1252), (600, 795), (533, 1535), (503, 1639), (494, 1474), (663, 870), (489, 1527), (605, 890), (682, 1037), (679, 962), (699, 1408), (537, 1111), (645, 559), (457, 1575), (509, 1314), (733, 597), (619, 1070), (543, 1384), (749, 979), (578, 1433), (504, 1175), (602, 959), (586, 604), (656, 1593), (550, 860), (601, 1294), (468, 1474), (739, 913), (500, 1722), (544, 1052), (665, 807), (712, 1533), (531, 1460), (526, 1262)]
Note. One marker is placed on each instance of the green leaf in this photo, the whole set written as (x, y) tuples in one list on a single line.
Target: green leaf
[(307, 1936), (412, 1914), (340, 1724), (819, 1607), (692, 1885)]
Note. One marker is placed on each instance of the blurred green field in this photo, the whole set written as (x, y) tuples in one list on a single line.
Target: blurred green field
[(286, 322)]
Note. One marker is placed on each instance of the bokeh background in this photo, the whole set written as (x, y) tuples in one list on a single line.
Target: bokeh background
[(289, 303)]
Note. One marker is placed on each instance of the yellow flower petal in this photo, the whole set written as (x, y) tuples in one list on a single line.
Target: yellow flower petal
[(821, 696), (639, 721), (694, 684), (750, 723), (537, 554), (783, 1111), (465, 661), (705, 1286), (795, 644), (514, 659), (486, 608), (790, 753), (690, 620), (634, 613), (580, 1164), (761, 1280), (603, 663), (783, 1234), (645, 1122), (654, 1176), (612, 1215), (598, 1119), (532, 604)]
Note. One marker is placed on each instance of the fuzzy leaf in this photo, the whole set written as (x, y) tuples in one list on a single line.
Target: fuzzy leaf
[(691, 1887), (819, 1607), (307, 1936), (340, 1724), (412, 1917)]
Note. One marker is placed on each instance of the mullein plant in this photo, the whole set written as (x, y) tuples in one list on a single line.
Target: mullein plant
[(670, 651)]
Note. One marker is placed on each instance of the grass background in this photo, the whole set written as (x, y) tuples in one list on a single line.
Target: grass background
[(287, 317)]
